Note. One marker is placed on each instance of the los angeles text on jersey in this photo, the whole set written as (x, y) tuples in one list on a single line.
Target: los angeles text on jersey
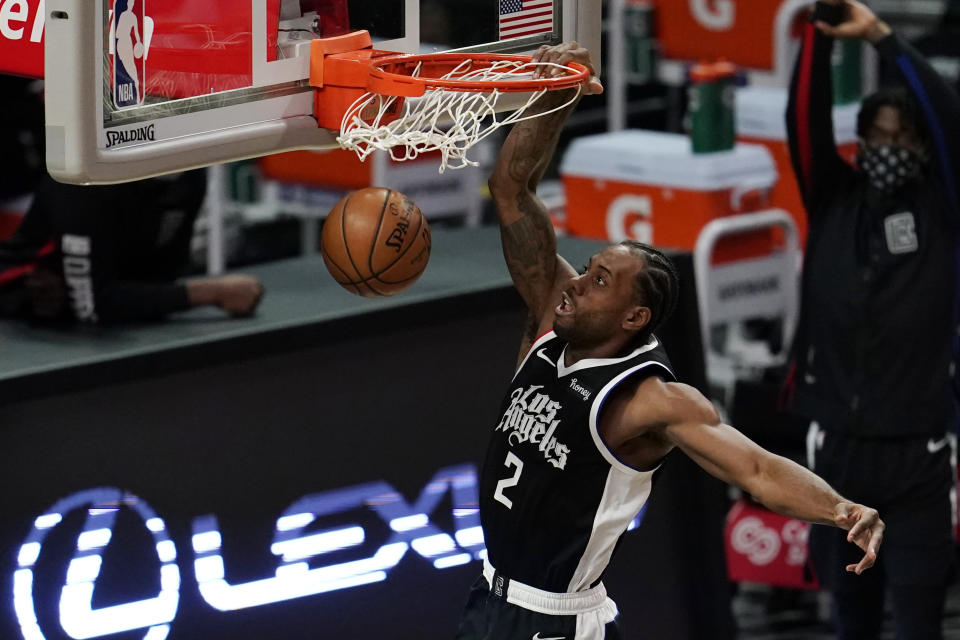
[(531, 417)]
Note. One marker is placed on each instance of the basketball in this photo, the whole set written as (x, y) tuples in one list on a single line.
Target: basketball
[(375, 242), (138, 50)]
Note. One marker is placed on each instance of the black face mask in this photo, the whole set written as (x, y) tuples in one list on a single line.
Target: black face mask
[(888, 167)]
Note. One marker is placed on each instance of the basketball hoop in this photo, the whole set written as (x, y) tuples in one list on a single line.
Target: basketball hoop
[(446, 102)]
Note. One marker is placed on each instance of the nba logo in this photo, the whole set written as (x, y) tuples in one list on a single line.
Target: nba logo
[(130, 33)]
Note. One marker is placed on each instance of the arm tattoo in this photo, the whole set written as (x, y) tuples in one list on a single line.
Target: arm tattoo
[(530, 248), (526, 157), (537, 138), (530, 241)]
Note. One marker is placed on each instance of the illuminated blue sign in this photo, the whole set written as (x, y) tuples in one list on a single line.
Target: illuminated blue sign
[(410, 527), (409, 524), (77, 615), (296, 544)]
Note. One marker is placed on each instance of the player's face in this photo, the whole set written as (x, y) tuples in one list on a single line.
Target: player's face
[(596, 303)]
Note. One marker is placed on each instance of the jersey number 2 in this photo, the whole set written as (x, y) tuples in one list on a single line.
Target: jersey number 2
[(511, 461)]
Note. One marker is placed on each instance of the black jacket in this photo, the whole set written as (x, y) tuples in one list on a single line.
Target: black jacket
[(876, 342), (117, 249)]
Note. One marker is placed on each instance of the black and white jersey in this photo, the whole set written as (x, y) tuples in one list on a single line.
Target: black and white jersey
[(554, 499)]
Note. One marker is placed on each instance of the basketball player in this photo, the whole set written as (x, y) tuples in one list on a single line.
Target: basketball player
[(591, 412)]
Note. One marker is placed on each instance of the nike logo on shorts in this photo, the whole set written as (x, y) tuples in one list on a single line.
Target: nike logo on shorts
[(537, 636), (935, 445)]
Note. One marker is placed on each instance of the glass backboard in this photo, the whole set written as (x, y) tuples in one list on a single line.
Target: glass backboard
[(136, 88)]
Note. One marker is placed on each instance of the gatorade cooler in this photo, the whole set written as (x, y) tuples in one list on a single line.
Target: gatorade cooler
[(651, 187), (746, 32), (761, 119), (338, 171)]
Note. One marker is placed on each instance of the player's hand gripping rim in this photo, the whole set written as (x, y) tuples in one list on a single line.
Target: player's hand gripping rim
[(564, 54)]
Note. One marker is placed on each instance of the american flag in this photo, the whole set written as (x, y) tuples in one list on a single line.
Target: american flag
[(525, 17)]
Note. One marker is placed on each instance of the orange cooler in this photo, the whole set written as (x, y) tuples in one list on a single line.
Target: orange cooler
[(761, 119), (743, 32), (339, 171), (651, 187)]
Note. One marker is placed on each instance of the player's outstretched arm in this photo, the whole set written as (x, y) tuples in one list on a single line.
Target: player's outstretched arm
[(817, 164), (690, 422), (529, 241)]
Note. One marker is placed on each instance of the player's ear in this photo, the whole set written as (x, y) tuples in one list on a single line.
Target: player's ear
[(636, 318)]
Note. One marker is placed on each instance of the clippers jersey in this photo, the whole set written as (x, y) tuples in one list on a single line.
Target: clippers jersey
[(554, 500)]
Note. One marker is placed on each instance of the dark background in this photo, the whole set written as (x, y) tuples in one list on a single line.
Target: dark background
[(243, 428)]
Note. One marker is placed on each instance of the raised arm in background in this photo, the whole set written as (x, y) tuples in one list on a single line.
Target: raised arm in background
[(816, 163), (938, 101)]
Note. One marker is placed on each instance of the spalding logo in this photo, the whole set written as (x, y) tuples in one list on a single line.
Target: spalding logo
[(146, 133), (402, 213)]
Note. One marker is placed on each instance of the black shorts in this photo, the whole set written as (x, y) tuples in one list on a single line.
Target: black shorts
[(912, 483), (520, 612)]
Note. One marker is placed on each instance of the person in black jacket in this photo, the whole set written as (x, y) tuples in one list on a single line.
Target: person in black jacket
[(877, 338), (102, 254), (21, 136)]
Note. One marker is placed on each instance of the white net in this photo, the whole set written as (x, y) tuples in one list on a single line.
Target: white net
[(445, 120)]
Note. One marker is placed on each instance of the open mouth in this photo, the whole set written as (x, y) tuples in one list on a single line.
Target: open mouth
[(565, 307)]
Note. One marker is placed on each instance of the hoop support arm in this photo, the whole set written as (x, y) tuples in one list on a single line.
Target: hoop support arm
[(339, 68)]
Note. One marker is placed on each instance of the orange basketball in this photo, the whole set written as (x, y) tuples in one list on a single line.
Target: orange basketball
[(375, 242)]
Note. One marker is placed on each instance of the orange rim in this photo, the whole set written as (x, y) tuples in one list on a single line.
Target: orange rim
[(390, 75)]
